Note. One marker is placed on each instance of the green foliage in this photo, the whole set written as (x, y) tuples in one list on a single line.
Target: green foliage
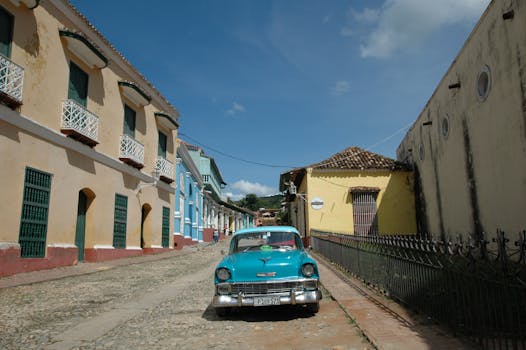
[(253, 202)]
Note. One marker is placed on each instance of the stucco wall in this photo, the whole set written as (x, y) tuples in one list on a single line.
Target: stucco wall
[(31, 137), (473, 179), (395, 201)]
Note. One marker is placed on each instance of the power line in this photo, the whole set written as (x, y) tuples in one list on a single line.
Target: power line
[(234, 157), (290, 166)]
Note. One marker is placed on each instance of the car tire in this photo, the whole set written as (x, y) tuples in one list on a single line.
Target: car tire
[(222, 311), (313, 308)]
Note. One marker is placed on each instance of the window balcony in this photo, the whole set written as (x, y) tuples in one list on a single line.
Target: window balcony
[(11, 82), (132, 152), (79, 123), (165, 169)]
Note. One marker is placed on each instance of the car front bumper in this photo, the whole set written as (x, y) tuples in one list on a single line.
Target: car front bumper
[(291, 298)]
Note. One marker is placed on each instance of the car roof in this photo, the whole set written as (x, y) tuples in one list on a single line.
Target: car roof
[(263, 229)]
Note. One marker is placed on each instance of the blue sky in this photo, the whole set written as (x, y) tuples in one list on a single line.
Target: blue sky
[(288, 83)]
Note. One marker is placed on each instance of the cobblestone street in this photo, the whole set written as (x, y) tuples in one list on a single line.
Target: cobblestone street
[(160, 304)]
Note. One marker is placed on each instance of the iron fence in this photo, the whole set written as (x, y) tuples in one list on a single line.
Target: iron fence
[(477, 289)]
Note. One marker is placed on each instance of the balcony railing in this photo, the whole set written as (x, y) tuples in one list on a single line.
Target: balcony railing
[(11, 82), (165, 169), (79, 123), (131, 152)]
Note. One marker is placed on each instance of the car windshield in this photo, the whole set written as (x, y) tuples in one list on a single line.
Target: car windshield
[(257, 241)]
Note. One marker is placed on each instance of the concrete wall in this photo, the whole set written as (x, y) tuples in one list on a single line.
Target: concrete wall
[(472, 178)]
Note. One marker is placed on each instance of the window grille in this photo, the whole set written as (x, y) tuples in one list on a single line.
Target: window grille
[(35, 207), (364, 213), (119, 221)]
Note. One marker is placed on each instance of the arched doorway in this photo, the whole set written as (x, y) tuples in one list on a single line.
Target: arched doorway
[(145, 210), (84, 200)]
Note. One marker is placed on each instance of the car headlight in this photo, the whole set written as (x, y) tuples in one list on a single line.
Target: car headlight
[(308, 270), (222, 274)]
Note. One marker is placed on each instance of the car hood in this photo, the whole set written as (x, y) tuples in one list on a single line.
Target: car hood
[(265, 265)]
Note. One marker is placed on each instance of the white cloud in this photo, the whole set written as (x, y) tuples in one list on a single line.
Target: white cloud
[(246, 187), (341, 87), (235, 109), (326, 19), (234, 197), (403, 24)]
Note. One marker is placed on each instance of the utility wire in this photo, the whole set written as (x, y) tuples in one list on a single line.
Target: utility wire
[(290, 166), (233, 157)]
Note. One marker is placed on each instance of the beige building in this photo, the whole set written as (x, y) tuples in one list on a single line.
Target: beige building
[(87, 144), (468, 145), (353, 192)]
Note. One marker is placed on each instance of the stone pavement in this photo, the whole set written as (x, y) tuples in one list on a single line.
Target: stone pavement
[(386, 324)]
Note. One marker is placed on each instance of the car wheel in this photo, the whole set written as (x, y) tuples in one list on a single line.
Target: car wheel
[(222, 311), (313, 308)]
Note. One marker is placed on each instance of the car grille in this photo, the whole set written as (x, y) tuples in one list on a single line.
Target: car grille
[(266, 288)]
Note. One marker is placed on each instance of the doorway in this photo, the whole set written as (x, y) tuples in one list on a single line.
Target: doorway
[(80, 231)]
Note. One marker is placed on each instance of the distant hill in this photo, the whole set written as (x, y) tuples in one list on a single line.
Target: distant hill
[(252, 202), (271, 202)]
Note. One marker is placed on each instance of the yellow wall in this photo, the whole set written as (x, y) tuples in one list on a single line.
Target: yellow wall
[(38, 143), (395, 202)]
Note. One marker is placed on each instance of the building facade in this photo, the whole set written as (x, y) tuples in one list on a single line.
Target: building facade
[(87, 144), (218, 213), (468, 145), (352, 192), (188, 219)]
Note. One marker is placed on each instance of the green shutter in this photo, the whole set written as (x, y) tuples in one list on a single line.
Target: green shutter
[(129, 121), (6, 32), (35, 207), (78, 84), (166, 227), (80, 231), (119, 221), (162, 145)]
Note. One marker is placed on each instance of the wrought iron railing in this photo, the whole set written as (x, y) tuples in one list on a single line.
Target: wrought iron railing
[(478, 289), (131, 149), (165, 168), (78, 119), (11, 79)]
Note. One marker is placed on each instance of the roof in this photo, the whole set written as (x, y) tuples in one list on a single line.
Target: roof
[(352, 158), (263, 229), (355, 158)]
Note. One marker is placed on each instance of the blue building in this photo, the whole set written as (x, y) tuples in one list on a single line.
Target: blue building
[(188, 217)]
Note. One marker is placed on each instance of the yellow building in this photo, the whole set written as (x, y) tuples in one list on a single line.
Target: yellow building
[(352, 192), (87, 144), (468, 145)]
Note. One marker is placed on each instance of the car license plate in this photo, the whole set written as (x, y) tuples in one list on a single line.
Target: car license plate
[(264, 301)]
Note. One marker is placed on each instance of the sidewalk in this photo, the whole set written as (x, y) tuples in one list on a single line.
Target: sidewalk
[(87, 268), (386, 324)]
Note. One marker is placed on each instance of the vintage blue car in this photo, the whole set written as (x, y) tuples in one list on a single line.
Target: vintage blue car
[(265, 266)]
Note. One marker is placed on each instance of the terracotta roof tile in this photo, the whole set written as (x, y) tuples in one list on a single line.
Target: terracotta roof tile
[(356, 158)]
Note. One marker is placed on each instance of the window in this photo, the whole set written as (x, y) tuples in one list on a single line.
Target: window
[(444, 126), (364, 213), (162, 145), (78, 84), (129, 121), (119, 221), (165, 230), (35, 207), (6, 32), (483, 83)]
